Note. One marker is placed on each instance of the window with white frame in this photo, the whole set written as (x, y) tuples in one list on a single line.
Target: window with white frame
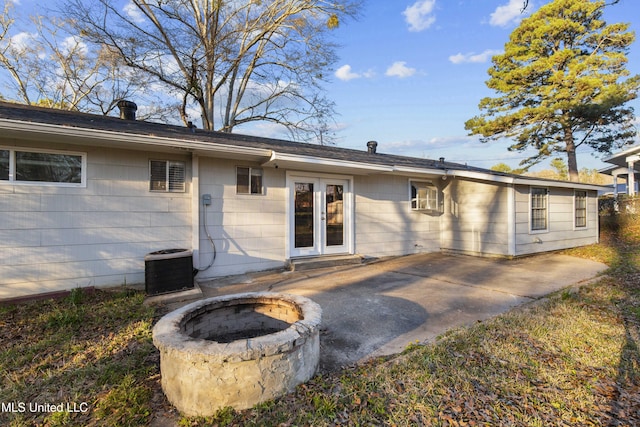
[(580, 207), (424, 196), (539, 208), (39, 166), (167, 175), (248, 180)]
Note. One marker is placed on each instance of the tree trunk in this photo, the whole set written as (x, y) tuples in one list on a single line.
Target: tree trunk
[(572, 162), (227, 125)]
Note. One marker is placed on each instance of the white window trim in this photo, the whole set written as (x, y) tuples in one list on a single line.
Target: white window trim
[(586, 210), (430, 186), (167, 164), (546, 229), (250, 194), (12, 168)]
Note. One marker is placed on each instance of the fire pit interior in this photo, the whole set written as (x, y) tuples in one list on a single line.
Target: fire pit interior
[(237, 350), (227, 323)]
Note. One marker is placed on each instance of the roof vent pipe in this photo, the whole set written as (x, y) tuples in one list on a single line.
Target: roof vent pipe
[(371, 147), (127, 109)]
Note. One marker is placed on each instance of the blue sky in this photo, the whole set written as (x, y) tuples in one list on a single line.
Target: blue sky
[(412, 72)]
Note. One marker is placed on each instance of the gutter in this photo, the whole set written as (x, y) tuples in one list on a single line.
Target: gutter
[(31, 128), (516, 180), (277, 159), (487, 177)]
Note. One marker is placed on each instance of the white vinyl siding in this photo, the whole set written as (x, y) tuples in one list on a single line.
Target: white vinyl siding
[(53, 237), (249, 232), (561, 232), (384, 223), (475, 218)]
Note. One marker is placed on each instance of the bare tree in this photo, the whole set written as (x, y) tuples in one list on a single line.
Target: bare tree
[(236, 61), (51, 67), (13, 56)]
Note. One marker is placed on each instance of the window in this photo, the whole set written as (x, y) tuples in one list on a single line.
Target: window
[(35, 166), (424, 196), (580, 203), (166, 175), (4, 165), (538, 209), (248, 180)]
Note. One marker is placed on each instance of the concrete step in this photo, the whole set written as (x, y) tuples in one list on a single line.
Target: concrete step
[(309, 263)]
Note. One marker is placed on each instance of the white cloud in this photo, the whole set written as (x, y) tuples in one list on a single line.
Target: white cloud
[(420, 15), (508, 13), (400, 69), (369, 74), (455, 141), (344, 73), (23, 41), (133, 12), (474, 58), (266, 130), (74, 45), (434, 148)]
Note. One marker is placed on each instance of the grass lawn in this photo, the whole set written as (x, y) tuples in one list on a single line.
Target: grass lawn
[(571, 359)]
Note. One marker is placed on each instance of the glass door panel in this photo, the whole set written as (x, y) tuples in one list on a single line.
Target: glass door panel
[(303, 215), (319, 216), (334, 209)]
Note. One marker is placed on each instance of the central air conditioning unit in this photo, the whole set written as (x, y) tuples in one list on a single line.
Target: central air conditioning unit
[(168, 270)]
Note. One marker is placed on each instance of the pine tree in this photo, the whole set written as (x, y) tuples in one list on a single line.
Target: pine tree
[(563, 82)]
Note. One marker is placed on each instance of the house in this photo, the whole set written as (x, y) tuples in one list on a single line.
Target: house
[(627, 164), (85, 198)]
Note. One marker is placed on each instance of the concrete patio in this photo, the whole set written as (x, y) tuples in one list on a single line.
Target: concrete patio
[(379, 308)]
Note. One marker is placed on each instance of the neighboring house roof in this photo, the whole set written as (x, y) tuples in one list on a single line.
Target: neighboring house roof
[(621, 163), (620, 159), (20, 121)]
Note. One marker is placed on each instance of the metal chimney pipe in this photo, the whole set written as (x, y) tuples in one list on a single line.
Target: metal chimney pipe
[(372, 146), (127, 109)]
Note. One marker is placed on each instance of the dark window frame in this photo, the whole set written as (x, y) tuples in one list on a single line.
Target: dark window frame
[(249, 181), (167, 176)]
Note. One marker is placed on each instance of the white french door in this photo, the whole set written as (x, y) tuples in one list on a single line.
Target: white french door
[(320, 216)]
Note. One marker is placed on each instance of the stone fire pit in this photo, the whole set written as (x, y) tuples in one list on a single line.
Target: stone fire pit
[(237, 350)]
